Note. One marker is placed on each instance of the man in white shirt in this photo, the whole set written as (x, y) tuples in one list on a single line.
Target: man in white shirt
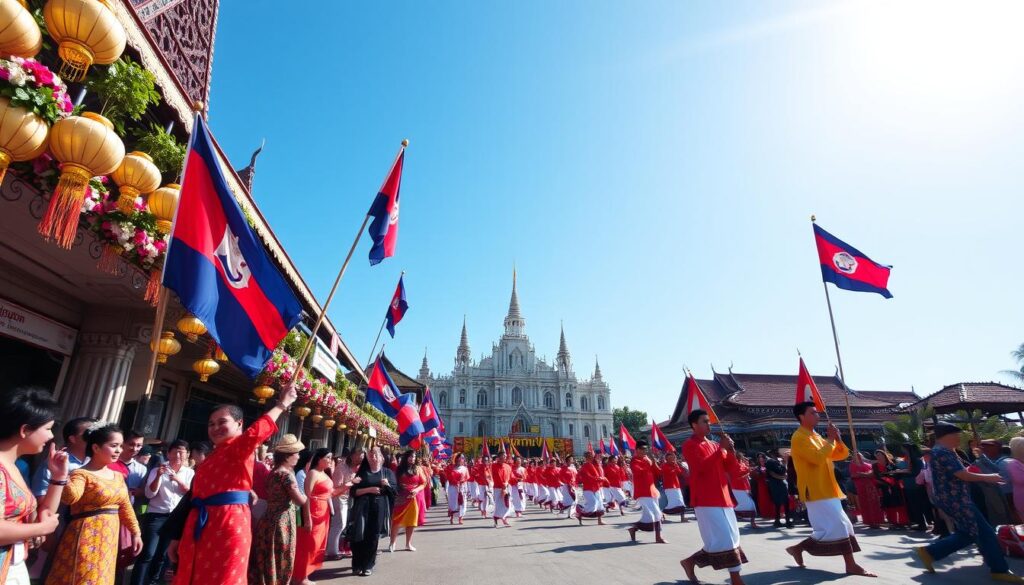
[(164, 486)]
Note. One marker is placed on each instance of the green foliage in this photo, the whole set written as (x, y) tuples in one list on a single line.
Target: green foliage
[(988, 427), (908, 427), (168, 154), (126, 90), (1018, 373), (632, 419), (294, 343)]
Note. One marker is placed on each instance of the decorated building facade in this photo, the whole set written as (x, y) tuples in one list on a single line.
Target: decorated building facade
[(514, 393)]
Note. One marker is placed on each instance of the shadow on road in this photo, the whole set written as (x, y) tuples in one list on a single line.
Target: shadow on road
[(589, 547)]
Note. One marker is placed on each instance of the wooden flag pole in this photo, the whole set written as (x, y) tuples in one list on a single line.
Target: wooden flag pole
[(839, 358), (381, 330)]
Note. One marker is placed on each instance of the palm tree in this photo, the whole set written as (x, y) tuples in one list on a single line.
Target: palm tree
[(908, 428), (1018, 356), (982, 426)]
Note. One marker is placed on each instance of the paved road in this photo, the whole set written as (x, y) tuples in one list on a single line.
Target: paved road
[(541, 548)]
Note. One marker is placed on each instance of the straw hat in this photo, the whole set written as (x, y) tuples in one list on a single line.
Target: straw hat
[(289, 444)]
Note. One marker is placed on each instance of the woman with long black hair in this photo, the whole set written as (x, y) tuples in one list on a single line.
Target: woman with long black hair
[(373, 493)]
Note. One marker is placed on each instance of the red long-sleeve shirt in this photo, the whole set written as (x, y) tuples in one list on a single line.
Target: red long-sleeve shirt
[(501, 474), (670, 474), (551, 474), (643, 477), (568, 476), (739, 477), (709, 468), (592, 478), (612, 472)]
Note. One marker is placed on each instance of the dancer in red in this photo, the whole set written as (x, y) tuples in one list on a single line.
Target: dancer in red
[(593, 479), (457, 476), (501, 477), (671, 474), (644, 471)]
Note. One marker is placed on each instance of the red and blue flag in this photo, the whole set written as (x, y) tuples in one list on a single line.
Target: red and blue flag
[(627, 439), (220, 269), (384, 227), (613, 448), (848, 268), (383, 394), (397, 308), (428, 413), (600, 447), (659, 441)]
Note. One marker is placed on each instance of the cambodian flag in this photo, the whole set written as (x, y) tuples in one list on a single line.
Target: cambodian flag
[(659, 441), (846, 267), (382, 393), (613, 448), (627, 439), (428, 414), (220, 269), (384, 227), (600, 447), (397, 308)]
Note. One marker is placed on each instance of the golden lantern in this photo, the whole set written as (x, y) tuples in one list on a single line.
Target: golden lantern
[(20, 35), (163, 203), (87, 32), (329, 423), (166, 346), (135, 175), (263, 393), (192, 327), (316, 418), (205, 367), (302, 412), (22, 133), (88, 147)]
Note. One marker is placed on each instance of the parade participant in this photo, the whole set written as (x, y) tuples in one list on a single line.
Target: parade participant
[(472, 488), (372, 493), (528, 481), (593, 480), (670, 474), (814, 457), (552, 483), (486, 482), (952, 495), (517, 490), (606, 491), (613, 471), (739, 482), (219, 506), (312, 542), (626, 465), (273, 549), (342, 476), (644, 471), (99, 504), (710, 464), (407, 507), (501, 476), (567, 487), (26, 426), (458, 477)]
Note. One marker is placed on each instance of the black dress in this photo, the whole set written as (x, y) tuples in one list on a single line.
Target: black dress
[(369, 517)]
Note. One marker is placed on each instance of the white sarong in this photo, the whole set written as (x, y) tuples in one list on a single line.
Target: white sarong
[(456, 492), (591, 506), (721, 536), (568, 497), (744, 503), (675, 504), (500, 503), (518, 498), (831, 529), (649, 510), (618, 496)]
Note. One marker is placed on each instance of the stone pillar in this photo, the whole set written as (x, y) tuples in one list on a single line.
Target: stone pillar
[(98, 377)]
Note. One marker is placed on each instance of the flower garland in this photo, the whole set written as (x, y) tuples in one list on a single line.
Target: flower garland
[(31, 85)]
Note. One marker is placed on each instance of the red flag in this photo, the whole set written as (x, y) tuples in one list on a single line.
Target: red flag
[(695, 400), (544, 453), (590, 446), (486, 451), (501, 445), (600, 446), (626, 438), (807, 390), (512, 447)]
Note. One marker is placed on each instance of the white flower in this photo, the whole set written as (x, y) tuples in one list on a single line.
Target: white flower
[(18, 76)]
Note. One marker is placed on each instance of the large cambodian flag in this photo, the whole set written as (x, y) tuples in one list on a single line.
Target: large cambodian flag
[(219, 268), (383, 394), (428, 413), (849, 269), (384, 227)]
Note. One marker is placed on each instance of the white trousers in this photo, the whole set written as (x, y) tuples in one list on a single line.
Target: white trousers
[(338, 521)]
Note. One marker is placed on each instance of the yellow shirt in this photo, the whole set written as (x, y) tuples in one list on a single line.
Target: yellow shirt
[(813, 456)]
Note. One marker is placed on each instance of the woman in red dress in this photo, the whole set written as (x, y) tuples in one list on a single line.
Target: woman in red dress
[(312, 543), (214, 545), (869, 498), (759, 473)]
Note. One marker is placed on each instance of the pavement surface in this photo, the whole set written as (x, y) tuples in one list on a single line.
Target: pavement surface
[(542, 548)]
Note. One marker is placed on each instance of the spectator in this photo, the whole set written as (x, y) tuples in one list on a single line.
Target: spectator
[(1015, 470), (165, 485), (998, 498), (273, 554), (74, 444), (134, 472)]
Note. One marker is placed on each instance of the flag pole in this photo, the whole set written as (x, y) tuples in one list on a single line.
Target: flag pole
[(158, 329), (839, 358), (341, 273)]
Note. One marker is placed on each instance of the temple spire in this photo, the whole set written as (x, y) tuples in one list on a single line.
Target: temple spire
[(462, 355), (597, 370), (563, 360), (424, 367), (514, 321)]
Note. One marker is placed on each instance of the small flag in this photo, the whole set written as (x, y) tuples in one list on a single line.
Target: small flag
[(613, 448), (501, 447), (220, 269), (544, 453), (397, 308), (590, 446), (600, 447), (487, 450), (627, 439), (512, 447), (659, 441), (695, 399), (428, 414), (807, 390), (383, 394), (847, 268), (384, 227)]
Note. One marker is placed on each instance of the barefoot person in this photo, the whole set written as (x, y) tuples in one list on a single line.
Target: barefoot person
[(593, 479), (813, 457), (644, 471), (710, 465)]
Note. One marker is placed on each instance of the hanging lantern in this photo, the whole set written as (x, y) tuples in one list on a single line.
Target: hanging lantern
[(20, 36), (329, 423), (163, 203), (317, 417), (192, 327), (205, 367), (263, 393), (302, 412), (135, 175), (166, 346), (88, 147), (22, 133), (87, 32)]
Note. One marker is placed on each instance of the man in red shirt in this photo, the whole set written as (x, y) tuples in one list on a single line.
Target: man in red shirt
[(671, 474), (593, 479), (516, 489), (501, 476), (710, 464), (567, 486), (644, 471)]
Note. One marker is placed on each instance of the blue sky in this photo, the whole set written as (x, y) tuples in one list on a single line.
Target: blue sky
[(651, 169)]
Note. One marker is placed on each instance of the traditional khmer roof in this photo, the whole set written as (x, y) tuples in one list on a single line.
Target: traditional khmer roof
[(991, 397)]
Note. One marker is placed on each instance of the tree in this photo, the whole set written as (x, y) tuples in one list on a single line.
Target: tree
[(908, 428), (1018, 355), (633, 420)]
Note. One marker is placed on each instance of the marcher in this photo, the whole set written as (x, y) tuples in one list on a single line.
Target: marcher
[(671, 475), (273, 550), (370, 518), (710, 463), (517, 489), (593, 479), (501, 475), (952, 496), (458, 477), (647, 496), (869, 499), (739, 482), (814, 457)]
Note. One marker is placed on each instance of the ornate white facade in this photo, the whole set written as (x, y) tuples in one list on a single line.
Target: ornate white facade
[(513, 392)]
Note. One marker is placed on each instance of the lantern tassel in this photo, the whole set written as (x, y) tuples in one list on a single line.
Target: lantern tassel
[(110, 259), (153, 287), (126, 200), (60, 221), (5, 161)]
